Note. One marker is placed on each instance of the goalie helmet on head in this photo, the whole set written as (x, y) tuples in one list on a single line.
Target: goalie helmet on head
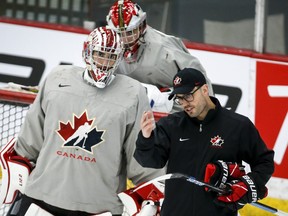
[(102, 53), (129, 20)]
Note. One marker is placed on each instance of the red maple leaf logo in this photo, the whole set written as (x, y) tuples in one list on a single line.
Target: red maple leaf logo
[(67, 130)]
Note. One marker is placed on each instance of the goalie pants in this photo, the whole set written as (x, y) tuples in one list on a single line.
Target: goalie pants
[(24, 202)]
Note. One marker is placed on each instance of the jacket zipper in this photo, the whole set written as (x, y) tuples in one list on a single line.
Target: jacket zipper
[(200, 128)]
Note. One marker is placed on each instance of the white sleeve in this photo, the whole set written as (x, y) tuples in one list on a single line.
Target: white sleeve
[(158, 100), (30, 137)]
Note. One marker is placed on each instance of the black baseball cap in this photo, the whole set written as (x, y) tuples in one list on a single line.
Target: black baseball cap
[(186, 80)]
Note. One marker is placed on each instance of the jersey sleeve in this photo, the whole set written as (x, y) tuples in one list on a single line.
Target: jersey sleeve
[(256, 154), (154, 151), (135, 171), (30, 137)]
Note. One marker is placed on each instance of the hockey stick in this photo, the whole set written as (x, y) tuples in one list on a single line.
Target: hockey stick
[(185, 177), (213, 188), (20, 87)]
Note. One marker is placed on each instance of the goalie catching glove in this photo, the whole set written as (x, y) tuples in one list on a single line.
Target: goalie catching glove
[(220, 172), (243, 191)]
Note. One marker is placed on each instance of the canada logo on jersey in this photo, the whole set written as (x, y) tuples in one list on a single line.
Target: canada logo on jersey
[(80, 134), (217, 141)]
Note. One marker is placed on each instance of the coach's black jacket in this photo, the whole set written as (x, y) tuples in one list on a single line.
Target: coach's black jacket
[(188, 145)]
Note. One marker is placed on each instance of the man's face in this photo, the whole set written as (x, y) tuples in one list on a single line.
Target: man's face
[(194, 103)]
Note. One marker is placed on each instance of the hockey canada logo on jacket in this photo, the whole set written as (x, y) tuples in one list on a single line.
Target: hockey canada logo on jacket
[(80, 134), (217, 141)]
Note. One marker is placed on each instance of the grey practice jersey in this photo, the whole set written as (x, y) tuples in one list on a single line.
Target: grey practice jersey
[(159, 59), (82, 139)]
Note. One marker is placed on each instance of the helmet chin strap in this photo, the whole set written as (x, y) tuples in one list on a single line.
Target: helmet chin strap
[(87, 77)]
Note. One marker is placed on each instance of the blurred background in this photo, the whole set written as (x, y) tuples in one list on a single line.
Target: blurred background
[(259, 25), (28, 52)]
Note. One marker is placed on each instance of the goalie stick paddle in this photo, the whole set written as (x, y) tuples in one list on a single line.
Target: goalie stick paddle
[(213, 188)]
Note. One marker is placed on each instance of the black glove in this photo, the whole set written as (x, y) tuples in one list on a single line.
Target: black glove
[(220, 172), (243, 191)]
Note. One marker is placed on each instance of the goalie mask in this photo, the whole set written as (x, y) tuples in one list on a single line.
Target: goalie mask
[(102, 53), (129, 20)]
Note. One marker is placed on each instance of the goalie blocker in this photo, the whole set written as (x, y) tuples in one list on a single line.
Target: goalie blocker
[(15, 171)]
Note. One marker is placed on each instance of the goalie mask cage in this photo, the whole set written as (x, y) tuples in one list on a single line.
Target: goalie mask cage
[(13, 108)]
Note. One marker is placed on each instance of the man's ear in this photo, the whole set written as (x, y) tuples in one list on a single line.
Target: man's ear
[(205, 89)]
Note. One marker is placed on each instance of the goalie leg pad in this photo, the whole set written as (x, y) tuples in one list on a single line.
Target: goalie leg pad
[(15, 172)]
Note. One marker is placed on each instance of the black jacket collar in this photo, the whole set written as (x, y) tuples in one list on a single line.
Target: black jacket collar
[(212, 113)]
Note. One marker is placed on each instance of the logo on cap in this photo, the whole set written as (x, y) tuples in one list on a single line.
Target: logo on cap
[(177, 81)]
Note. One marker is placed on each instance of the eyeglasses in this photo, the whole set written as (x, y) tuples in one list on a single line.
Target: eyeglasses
[(187, 97)]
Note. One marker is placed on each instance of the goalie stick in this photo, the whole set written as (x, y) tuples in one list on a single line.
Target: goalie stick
[(213, 188), (19, 87)]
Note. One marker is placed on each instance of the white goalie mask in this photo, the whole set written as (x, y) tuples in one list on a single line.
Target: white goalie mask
[(129, 20), (102, 53)]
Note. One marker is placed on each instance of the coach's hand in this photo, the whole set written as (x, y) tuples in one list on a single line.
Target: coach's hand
[(243, 191), (221, 172), (147, 123)]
